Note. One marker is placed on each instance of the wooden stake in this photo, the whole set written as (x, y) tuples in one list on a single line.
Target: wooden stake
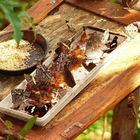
[(125, 117)]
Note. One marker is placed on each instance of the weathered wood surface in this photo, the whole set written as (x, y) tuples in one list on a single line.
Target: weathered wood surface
[(125, 117), (106, 8), (109, 88)]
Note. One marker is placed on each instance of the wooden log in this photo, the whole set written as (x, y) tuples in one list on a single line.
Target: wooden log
[(125, 117)]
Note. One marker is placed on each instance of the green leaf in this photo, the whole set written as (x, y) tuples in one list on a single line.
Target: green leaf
[(8, 7), (8, 124), (28, 126), (12, 17)]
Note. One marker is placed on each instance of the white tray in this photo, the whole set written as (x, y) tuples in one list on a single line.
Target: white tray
[(6, 104)]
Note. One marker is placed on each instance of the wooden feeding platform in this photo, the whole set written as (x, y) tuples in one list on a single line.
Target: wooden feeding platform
[(113, 84)]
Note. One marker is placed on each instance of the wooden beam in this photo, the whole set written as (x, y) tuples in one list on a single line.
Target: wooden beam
[(125, 117), (107, 9)]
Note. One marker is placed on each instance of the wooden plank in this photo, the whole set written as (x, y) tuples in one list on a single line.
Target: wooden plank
[(41, 10), (105, 8), (110, 87), (125, 117)]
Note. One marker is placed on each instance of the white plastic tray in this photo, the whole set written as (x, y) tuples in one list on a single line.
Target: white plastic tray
[(6, 104)]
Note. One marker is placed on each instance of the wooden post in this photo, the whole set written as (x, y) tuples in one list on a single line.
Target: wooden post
[(125, 117)]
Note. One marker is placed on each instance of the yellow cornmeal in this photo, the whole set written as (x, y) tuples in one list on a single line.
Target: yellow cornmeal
[(13, 57)]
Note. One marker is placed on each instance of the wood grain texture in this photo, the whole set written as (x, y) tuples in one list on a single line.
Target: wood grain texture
[(106, 8), (109, 88), (125, 117)]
